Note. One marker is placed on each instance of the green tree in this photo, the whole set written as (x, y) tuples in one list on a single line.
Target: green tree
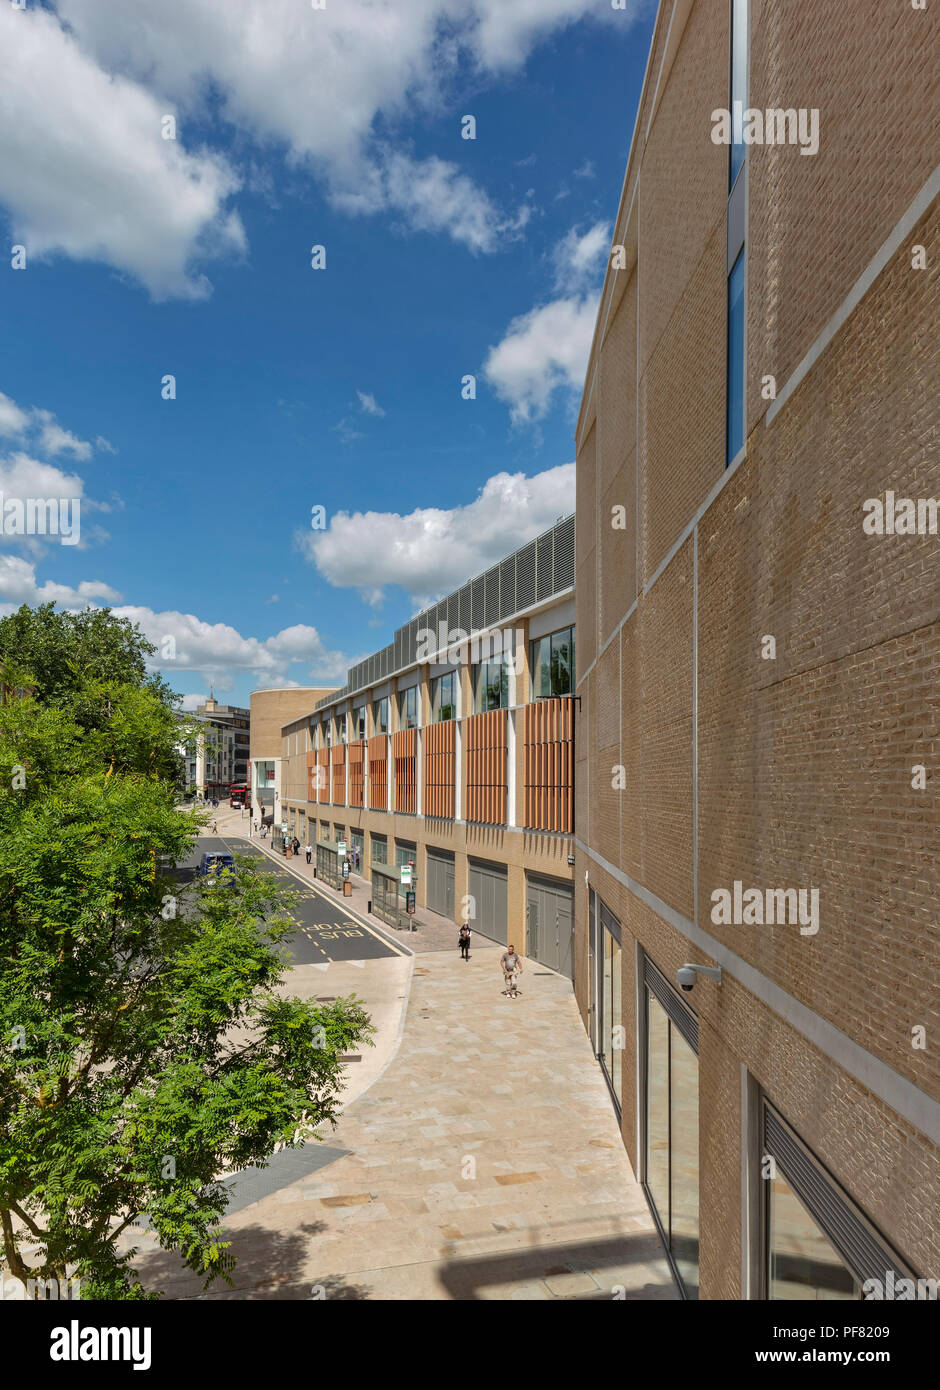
[(62, 650), (145, 1046)]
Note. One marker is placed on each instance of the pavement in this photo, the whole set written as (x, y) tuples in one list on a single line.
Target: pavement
[(477, 1156)]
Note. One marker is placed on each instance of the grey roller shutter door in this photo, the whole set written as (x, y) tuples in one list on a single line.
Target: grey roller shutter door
[(441, 883), (549, 919), (488, 889)]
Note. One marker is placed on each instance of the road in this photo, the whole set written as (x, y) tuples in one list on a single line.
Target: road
[(326, 929)]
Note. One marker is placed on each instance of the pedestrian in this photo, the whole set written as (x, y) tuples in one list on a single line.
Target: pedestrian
[(512, 969), (215, 826), (308, 850), (463, 941)]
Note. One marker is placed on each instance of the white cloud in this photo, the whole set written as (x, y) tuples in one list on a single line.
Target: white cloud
[(13, 419), (580, 258), (216, 649), (53, 439), (430, 195), (18, 585), (544, 350), (47, 433), (432, 550), (320, 84), (369, 404), (86, 173), (547, 349)]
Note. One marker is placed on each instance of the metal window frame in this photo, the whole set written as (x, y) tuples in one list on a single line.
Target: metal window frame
[(866, 1253)]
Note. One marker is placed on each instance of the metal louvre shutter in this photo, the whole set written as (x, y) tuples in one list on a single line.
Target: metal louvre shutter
[(453, 611), (564, 554), (507, 587), (865, 1254), (525, 577), (544, 578), (491, 602), (477, 606), (682, 1017), (463, 620)]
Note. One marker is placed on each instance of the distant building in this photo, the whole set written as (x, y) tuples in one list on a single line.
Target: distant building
[(270, 711), (219, 759)]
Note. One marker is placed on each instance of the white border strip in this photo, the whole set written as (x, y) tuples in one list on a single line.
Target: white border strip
[(906, 1099)]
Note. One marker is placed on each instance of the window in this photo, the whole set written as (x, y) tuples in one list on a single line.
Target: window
[(379, 846), (735, 359), (553, 668), (408, 708), (443, 698), (611, 1031), (380, 715), (344, 728), (738, 85), (491, 685), (802, 1262), (359, 721), (817, 1243), (672, 1131)]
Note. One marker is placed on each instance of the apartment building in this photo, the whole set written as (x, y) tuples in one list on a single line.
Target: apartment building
[(218, 759), (757, 744), (271, 709), (451, 751)]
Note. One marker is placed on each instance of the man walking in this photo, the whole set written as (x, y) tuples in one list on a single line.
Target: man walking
[(512, 969), (463, 941), (308, 850)]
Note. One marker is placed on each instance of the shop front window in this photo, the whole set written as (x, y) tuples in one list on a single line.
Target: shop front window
[(672, 1139)]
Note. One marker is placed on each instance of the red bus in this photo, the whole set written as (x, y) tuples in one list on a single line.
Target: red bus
[(238, 796)]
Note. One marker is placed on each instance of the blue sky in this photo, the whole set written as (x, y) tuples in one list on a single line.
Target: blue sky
[(298, 387)]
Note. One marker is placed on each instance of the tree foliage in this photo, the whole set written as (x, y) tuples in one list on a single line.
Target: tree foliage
[(146, 1044)]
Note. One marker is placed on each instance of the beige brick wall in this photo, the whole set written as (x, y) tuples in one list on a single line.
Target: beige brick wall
[(871, 70), (804, 763), (272, 709)]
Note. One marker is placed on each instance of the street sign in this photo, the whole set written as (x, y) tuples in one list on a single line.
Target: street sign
[(406, 874), (341, 847)]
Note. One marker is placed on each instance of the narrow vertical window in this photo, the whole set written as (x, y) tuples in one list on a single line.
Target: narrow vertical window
[(738, 85), (735, 359)]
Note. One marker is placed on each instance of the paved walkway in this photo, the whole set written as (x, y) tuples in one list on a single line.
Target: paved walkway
[(483, 1163)]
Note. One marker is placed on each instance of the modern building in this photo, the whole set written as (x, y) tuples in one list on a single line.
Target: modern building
[(219, 758), (270, 710), (757, 732), (451, 751)]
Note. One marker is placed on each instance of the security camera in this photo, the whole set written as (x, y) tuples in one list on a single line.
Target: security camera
[(687, 975)]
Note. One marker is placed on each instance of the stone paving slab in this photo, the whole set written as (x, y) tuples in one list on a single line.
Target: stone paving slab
[(483, 1163)]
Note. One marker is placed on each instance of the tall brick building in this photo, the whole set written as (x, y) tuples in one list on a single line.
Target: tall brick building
[(758, 673)]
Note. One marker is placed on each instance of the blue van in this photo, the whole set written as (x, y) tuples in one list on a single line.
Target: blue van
[(218, 868)]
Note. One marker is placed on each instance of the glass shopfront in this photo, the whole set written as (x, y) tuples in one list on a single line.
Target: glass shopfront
[(672, 1127), (610, 1009)]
